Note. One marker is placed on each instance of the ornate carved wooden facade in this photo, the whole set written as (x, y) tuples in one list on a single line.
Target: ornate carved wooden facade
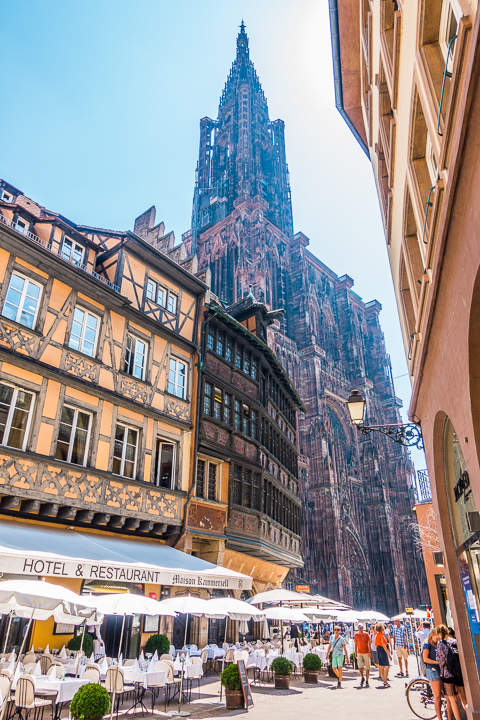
[(355, 491), (97, 333)]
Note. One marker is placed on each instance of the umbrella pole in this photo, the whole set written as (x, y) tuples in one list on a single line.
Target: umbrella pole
[(220, 700), (81, 648), (180, 712), (115, 686), (7, 694), (8, 631)]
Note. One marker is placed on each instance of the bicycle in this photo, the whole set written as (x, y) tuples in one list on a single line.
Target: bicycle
[(420, 699)]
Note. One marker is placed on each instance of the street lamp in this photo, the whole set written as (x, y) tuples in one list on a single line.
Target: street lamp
[(407, 434)]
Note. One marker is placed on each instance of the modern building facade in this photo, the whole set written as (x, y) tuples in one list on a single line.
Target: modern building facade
[(355, 491), (407, 84)]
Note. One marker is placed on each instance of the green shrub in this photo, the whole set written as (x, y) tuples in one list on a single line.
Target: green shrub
[(312, 662), (158, 642), (230, 678), (91, 702), (282, 666), (75, 642)]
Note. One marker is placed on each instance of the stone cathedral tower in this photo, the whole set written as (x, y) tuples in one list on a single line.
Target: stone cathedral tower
[(357, 539)]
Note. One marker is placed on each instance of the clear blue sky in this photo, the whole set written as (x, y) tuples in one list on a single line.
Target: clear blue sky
[(101, 107)]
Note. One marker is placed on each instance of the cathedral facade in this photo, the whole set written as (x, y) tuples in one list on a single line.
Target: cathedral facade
[(355, 490)]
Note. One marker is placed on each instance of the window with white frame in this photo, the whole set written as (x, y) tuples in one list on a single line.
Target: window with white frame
[(83, 335), (125, 451), (23, 300), (72, 251), (135, 357), (157, 293), (6, 196), (177, 378), (172, 303), (73, 435), (207, 479), (449, 20), (165, 464), (16, 408)]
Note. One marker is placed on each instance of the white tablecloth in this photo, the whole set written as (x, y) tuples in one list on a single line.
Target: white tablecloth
[(214, 653), (65, 689), (192, 670), (147, 679), (295, 657)]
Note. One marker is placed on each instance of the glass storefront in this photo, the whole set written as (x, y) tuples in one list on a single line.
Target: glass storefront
[(461, 502)]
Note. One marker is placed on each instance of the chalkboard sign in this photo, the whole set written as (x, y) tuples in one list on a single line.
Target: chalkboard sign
[(245, 686)]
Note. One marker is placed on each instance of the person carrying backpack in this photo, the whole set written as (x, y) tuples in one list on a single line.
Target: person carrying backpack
[(450, 669)]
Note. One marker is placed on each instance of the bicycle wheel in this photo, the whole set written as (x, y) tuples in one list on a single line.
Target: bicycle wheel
[(420, 699)]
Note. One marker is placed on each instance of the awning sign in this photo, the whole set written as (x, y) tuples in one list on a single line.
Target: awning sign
[(88, 570)]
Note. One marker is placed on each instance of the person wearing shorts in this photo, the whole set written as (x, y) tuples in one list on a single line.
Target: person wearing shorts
[(338, 648), (363, 646), (400, 645), (429, 653), (453, 687)]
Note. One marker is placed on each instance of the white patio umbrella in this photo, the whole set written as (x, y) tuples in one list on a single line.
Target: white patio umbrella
[(285, 597), (372, 616), (235, 610), (39, 600), (346, 616), (286, 614), (188, 605), (127, 604), (418, 614)]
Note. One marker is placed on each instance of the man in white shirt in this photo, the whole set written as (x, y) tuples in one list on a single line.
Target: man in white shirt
[(422, 636)]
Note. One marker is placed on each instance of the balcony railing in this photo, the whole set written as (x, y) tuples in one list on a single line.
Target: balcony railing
[(46, 245)]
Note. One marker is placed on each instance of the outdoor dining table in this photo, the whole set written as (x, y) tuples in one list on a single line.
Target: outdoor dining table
[(142, 680), (295, 657)]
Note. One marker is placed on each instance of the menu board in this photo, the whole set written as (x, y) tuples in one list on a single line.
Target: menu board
[(245, 685)]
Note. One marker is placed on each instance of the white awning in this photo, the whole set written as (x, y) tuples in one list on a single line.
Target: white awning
[(35, 550)]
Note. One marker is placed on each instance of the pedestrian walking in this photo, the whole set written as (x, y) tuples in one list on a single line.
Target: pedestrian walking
[(363, 645), (373, 647), (383, 654), (450, 669), (294, 634), (399, 635), (429, 653), (336, 651)]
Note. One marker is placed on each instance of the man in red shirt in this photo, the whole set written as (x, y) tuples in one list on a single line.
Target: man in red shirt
[(363, 653)]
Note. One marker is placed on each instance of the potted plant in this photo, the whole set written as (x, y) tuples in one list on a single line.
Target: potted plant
[(231, 681), (75, 642), (311, 667), (282, 668), (90, 702), (158, 642)]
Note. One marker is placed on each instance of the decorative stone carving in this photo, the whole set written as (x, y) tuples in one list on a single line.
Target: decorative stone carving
[(207, 518), (134, 390)]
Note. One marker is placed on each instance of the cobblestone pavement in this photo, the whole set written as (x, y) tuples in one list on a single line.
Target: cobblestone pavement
[(323, 701)]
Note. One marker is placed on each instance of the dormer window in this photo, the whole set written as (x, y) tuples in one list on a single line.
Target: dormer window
[(22, 225), (72, 251), (6, 196), (161, 296)]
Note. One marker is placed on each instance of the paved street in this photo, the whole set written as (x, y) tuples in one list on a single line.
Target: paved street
[(324, 700)]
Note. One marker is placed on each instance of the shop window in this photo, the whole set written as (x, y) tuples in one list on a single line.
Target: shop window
[(84, 332), (135, 357), (125, 451), (23, 300), (177, 378), (73, 436), (165, 464), (207, 478), (16, 408)]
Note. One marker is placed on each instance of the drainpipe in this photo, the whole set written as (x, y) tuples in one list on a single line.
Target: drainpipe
[(337, 72)]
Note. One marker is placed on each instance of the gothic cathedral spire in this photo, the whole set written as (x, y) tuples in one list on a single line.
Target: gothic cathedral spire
[(242, 153)]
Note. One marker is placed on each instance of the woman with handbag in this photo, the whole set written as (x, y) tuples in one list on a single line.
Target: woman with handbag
[(383, 654), (336, 650)]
